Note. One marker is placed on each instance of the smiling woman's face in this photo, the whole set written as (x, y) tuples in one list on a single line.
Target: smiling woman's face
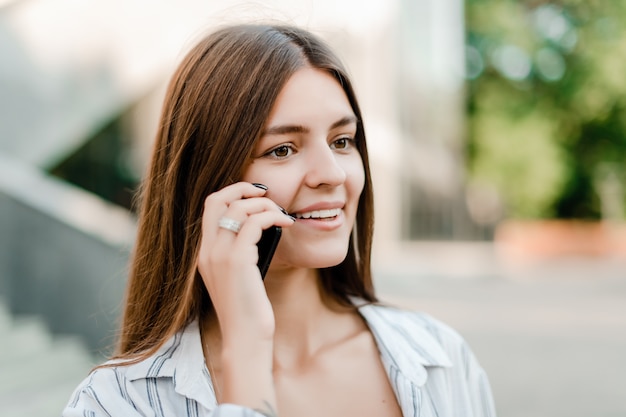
[(308, 159)]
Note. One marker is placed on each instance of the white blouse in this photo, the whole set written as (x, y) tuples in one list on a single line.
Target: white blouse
[(430, 367)]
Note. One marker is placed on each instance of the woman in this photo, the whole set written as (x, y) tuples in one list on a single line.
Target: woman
[(261, 128)]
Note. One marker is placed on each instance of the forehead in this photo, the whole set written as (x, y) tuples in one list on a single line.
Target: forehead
[(311, 95)]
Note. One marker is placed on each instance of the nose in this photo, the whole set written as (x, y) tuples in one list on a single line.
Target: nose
[(323, 167)]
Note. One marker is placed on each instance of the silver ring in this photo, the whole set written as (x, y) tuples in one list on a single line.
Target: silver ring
[(229, 224)]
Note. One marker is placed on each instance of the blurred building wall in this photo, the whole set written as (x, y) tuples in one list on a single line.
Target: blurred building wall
[(63, 254), (72, 68)]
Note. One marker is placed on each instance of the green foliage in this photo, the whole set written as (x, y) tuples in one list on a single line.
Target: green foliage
[(547, 103)]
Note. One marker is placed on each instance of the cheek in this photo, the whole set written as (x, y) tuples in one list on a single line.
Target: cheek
[(282, 184), (356, 176), (259, 173)]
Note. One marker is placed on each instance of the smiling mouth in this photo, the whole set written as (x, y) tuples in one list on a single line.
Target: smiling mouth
[(318, 214)]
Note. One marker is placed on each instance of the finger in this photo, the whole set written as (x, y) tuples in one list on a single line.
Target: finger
[(223, 198), (218, 235), (236, 256), (242, 209), (252, 229), (244, 242), (238, 213), (217, 203), (254, 226)]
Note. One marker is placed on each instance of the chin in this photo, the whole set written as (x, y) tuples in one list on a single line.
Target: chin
[(327, 262), (315, 259)]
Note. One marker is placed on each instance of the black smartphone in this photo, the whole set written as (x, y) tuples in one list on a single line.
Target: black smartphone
[(267, 246)]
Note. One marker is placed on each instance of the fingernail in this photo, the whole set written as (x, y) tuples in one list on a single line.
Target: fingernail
[(291, 217), (283, 210), (261, 186)]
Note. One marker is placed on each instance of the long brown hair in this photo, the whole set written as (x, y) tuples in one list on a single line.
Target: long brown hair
[(215, 108)]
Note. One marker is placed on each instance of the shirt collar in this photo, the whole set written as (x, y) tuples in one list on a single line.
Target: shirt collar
[(182, 359), (407, 341)]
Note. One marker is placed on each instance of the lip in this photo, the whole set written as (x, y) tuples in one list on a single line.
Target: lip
[(325, 224), (323, 205)]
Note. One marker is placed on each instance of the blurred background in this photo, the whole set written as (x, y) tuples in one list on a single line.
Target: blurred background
[(497, 135)]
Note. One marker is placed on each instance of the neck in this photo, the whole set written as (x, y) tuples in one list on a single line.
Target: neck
[(307, 320), (298, 304)]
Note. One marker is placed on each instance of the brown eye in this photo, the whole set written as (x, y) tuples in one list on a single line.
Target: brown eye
[(341, 143), (282, 151)]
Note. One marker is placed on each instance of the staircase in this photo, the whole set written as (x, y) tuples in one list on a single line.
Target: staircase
[(38, 372)]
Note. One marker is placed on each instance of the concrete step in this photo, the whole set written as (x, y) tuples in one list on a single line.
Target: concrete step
[(22, 339), (38, 372)]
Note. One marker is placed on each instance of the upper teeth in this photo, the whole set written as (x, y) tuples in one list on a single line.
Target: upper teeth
[(318, 214)]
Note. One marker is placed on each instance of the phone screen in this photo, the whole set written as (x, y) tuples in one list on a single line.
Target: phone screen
[(267, 246)]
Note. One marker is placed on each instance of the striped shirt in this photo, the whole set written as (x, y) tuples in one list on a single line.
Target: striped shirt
[(431, 369)]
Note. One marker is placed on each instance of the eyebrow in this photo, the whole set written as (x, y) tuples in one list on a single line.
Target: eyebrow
[(286, 129)]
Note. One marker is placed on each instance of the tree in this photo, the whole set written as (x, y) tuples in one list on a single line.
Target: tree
[(547, 105)]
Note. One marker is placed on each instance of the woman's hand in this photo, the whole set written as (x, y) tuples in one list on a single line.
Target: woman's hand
[(227, 262), (227, 259)]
